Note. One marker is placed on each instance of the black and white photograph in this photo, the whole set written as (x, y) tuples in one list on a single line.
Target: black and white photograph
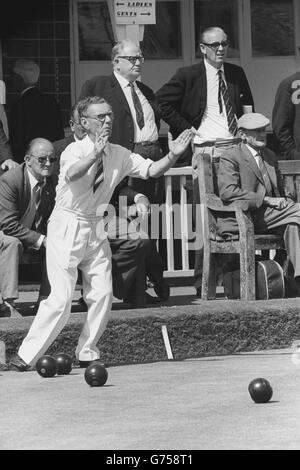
[(150, 227)]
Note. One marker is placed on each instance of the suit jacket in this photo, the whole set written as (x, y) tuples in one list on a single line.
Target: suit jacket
[(15, 196), (286, 117), (5, 151), (109, 88), (239, 179), (34, 114), (183, 99)]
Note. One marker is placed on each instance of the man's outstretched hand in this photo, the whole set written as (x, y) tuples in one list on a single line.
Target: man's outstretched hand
[(179, 145)]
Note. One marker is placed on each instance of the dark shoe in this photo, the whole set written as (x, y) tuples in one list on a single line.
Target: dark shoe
[(162, 290), (84, 364), (151, 300), (14, 313), (17, 364), (4, 310), (82, 304)]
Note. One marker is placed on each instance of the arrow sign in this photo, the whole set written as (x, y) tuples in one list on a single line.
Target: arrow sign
[(129, 12)]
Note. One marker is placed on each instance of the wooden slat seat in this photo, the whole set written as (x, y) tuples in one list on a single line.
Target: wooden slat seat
[(245, 243)]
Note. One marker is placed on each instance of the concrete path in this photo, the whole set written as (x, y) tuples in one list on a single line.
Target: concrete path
[(194, 404)]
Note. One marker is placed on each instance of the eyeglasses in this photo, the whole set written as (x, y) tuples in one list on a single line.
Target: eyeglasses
[(101, 117), (43, 160), (216, 45), (132, 58)]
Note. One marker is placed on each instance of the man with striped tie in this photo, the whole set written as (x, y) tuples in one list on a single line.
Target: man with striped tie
[(90, 169), (27, 197), (208, 96)]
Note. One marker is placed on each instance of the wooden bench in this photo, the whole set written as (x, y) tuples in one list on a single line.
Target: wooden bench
[(246, 242)]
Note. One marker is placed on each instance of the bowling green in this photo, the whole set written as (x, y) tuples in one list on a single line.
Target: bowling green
[(193, 404)]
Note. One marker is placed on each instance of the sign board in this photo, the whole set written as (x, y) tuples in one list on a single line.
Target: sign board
[(127, 12)]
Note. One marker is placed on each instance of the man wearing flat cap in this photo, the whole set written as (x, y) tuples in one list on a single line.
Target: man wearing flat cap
[(249, 172)]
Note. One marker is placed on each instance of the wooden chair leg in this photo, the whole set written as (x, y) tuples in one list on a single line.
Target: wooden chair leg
[(208, 276), (247, 274)]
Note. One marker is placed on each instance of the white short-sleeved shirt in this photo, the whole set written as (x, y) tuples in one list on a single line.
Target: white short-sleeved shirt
[(78, 195)]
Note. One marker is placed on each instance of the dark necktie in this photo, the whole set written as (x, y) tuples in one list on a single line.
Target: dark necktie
[(231, 119), (138, 107), (265, 175), (99, 176), (39, 215)]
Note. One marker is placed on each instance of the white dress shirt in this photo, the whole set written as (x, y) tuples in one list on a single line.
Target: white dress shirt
[(255, 154), (28, 217), (213, 124), (78, 196), (149, 132)]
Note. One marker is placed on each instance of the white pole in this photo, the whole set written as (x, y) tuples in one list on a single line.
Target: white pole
[(2, 353), (167, 341)]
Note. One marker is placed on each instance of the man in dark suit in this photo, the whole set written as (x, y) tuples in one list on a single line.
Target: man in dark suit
[(286, 117), (136, 115), (208, 97), (34, 114), (130, 256), (26, 201), (248, 173), (136, 112)]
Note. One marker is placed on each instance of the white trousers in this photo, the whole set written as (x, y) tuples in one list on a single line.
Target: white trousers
[(72, 242)]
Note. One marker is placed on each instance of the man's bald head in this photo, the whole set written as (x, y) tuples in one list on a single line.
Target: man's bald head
[(40, 158), (39, 143)]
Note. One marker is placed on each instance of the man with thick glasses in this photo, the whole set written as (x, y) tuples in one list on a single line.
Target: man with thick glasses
[(90, 169), (27, 197), (130, 255), (136, 112), (209, 97)]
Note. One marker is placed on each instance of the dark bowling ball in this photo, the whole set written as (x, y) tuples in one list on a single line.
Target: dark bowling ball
[(95, 375), (46, 366), (64, 363), (260, 390)]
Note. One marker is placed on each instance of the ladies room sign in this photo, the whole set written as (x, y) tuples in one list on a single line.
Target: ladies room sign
[(127, 12)]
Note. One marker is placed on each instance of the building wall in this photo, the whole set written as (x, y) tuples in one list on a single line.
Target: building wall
[(42, 33)]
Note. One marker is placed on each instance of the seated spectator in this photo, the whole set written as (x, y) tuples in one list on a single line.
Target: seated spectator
[(34, 114), (26, 201), (127, 253), (248, 174)]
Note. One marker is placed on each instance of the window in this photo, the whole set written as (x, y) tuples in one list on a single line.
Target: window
[(96, 38), (95, 33), (163, 40), (272, 25), (222, 13)]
